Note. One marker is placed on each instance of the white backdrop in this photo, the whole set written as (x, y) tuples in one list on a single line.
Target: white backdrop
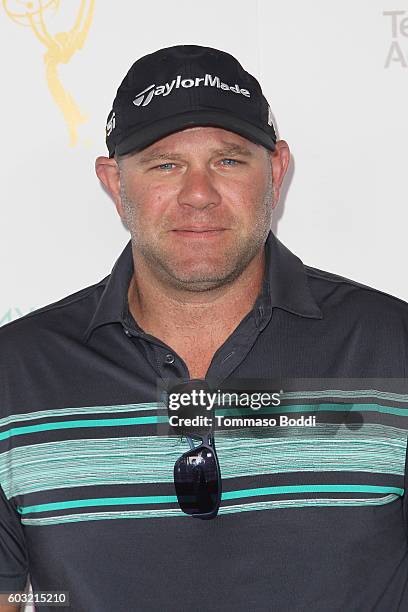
[(335, 74)]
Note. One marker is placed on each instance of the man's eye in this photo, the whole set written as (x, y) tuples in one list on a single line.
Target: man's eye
[(230, 162), (165, 166)]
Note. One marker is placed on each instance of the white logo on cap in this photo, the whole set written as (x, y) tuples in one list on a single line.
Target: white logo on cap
[(145, 97), (141, 99), (110, 126), (270, 119)]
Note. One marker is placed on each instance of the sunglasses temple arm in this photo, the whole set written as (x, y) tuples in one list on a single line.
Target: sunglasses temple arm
[(191, 443), (196, 437)]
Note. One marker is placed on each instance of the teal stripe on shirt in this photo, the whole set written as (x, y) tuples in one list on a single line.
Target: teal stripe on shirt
[(120, 422), (150, 459), (274, 504), (329, 406), (19, 431), (163, 499)]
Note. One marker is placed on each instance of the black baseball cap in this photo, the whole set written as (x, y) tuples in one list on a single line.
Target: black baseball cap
[(186, 86)]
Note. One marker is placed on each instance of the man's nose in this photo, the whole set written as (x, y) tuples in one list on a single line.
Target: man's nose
[(198, 189)]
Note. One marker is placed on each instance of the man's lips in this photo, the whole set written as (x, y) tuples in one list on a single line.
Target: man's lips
[(197, 228), (199, 232)]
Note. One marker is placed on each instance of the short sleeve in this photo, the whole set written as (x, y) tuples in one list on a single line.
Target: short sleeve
[(13, 553), (405, 497)]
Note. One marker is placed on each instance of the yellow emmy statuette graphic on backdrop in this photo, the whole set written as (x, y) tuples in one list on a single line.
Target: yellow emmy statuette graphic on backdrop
[(60, 48)]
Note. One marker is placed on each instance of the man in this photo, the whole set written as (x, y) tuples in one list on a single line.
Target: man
[(310, 517)]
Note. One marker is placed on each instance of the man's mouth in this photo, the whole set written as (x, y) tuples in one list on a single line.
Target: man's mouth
[(199, 228), (199, 232)]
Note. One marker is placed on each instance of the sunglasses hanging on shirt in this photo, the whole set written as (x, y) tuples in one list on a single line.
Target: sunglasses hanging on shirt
[(197, 474)]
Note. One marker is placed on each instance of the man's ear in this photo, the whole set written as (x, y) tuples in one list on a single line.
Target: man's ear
[(280, 159), (108, 173)]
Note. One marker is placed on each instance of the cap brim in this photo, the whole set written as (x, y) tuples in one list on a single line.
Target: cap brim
[(148, 134)]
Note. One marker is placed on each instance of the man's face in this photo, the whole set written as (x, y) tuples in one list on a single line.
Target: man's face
[(198, 205)]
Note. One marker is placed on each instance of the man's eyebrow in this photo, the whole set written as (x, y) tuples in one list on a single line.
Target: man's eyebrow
[(229, 149), (158, 156), (233, 149)]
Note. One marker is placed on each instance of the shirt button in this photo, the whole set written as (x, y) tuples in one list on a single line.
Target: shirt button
[(127, 333), (169, 358)]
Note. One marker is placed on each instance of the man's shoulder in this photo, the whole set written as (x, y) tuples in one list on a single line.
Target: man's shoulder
[(335, 290), (74, 308)]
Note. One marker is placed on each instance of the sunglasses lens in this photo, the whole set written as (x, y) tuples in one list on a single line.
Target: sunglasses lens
[(196, 478)]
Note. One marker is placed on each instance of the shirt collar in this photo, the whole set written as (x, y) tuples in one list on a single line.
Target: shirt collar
[(112, 305), (285, 286), (285, 282)]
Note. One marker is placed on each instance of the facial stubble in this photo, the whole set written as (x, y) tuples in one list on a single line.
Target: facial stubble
[(238, 256)]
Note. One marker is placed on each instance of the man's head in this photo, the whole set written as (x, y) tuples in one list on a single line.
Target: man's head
[(194, 167)]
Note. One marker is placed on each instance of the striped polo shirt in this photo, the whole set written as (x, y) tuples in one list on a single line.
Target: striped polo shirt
[(313, 514)]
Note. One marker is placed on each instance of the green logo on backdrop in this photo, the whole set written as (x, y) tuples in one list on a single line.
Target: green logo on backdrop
[(13, 313)]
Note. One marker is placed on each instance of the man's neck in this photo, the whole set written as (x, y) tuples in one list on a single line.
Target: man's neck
[(208, 316)]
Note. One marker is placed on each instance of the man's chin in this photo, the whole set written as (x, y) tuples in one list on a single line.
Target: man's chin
[(201, 279), (198, 268)]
